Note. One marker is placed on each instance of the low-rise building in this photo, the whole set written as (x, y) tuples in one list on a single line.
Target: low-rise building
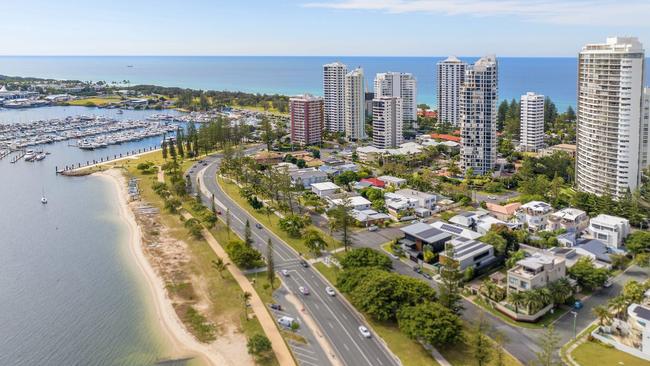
[(534, 215), (374, 182), (503, 212), (355, 202), (307, 177), (469, 253), (535, 271), (416, 236), (369, 217), (399, 206), (611, 229), (324, 189), (337, 169), (639, 321), (456, 230), (391, 181), (569, 219), (424, 200), (479, 221)]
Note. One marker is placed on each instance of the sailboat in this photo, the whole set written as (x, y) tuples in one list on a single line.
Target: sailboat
[(43, 199)]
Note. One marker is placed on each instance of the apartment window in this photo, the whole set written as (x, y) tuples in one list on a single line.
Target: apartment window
[(523, 284)]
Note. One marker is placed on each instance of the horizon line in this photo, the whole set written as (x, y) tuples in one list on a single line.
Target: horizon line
[(303, 56)]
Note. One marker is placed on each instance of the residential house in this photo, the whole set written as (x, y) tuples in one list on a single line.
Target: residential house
[(610, 229), (534, 215), (535, 271), (569, 219), (337, 169), (369, 217), (324, 189), (425, 200), (456, 230), (503, 212), (469, 253), (639, 321), (392, 181), (419, 235), (400, 207), (308, 176), (374, 182), (355, 202), (479, 221)]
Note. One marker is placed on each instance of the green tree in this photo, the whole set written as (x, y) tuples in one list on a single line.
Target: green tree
[(588, 276), (270, 264), (248, 234), (365, 257), (479, 343), (638, 242), (517, 299), (258, 345), (500, 357), (451, 285), (164, 149), (293, 225), (179, 143), (549, 344), (228, 221), (602, 313), (515, 257), (219, 265), (314, 241), (340, 219), (497, 241), (430, 322)]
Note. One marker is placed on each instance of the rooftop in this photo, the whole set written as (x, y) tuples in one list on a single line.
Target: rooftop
[(325, 186), (568, 213), (603, 219), (426, 232), (456, 230)]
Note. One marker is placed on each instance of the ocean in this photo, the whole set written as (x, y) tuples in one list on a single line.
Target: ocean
[(554, 77), (69, 292)]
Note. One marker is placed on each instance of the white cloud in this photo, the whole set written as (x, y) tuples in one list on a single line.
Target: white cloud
[(568, 12)]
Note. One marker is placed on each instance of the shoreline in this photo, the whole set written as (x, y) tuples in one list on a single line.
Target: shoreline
[(178, 342)]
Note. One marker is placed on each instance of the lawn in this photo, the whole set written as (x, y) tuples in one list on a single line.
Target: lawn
[(273, 221), (95, 101), (547, 319), (459, 354), (596, 353)]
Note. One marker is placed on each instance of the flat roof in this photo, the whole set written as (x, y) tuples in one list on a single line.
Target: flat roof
[(325, 186)]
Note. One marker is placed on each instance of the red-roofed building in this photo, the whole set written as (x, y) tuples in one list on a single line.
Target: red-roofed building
[(375, 182), (445, 137), (428, 113)]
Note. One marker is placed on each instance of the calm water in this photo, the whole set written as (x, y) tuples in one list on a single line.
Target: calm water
[(69, 293), (555, 77)]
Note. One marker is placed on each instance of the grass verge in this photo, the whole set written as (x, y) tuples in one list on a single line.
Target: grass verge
[(597, 353)]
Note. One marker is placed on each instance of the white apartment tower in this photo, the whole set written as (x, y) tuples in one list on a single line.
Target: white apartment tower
[(532, 121), (306, 112), (387, 122), (354, 105), (610, 89), (400, 85), (333, 90), (645, 129), (450, 77), (478, 115)]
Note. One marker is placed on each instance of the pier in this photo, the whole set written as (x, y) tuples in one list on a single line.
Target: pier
[(18, 156), (74, 169)]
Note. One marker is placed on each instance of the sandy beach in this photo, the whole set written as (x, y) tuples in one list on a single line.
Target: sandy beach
[(180, 342)]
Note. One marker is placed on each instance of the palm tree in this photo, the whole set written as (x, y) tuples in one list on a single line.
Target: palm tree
[(517, 299), (561, 290), (533, 301), (314, 241), (246, 296), (618, 305), (219, 265), (602, 313)]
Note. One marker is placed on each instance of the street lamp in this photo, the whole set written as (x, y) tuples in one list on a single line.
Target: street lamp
[(575, 316)]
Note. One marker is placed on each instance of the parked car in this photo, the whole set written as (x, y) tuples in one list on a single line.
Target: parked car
[(578, 305), (258, 225), (373, 228), (427, 276), (608, 283), (304, 263), (275, 306), (303, 290), (364, 331), (285, 321), (330, 291), (285, 273)]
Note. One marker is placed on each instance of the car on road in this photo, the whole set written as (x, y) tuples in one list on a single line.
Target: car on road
[(373, 228), (427, 276), (276, 307), (303, 290), (364, 331), (304, 263), (205, 164), (285, 273), (330, 291), (258, 225), (417, 269), (608, 283), (492, 197)]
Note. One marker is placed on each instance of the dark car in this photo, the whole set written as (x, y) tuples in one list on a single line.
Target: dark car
[(417, 269), (276, 307), (427, 276), (258, 225), (304, 263)]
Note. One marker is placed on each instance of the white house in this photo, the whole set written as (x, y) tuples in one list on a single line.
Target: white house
[(355, 202), (570, 219), (470, 253), (425, 200), (610, 229), (479, 221), (324, 189), (308, 176), (398, 205), (392, 181), (535, 215)]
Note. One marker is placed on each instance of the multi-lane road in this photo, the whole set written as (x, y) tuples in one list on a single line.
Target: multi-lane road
[(335, 317)]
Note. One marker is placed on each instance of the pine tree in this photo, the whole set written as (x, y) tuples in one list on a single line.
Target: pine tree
[(164, 149), (480, 345), (270, 265), (179, 143), (451, 283), (248, 234), (228, 221), (172, 150), (549, 343)]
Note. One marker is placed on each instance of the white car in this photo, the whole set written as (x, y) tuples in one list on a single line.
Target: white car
[(364, 331), (330, 291), (303, 290), (285, 273), (608, 283), (373, 228), (492, 197)]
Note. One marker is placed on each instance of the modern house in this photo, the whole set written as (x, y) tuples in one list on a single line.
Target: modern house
[(569, 219), (611, 229), (535, 272), (418, 235), (479, 221), (324, 189), (369, 217), (424, 200), (534, 215), (355, 202), (639, 321), (456, 230), (469, 253), (400, 206), (308, 176), (391, 181)]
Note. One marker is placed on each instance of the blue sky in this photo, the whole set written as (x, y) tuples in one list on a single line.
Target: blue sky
[(317, 27)]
